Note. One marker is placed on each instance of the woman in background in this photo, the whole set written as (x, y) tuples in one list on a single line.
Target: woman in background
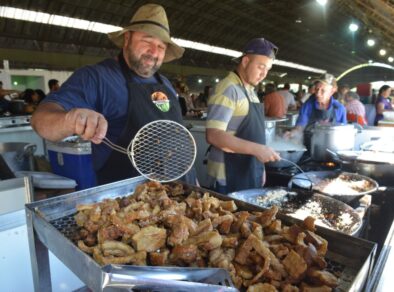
[(382, 103), (32, 99)]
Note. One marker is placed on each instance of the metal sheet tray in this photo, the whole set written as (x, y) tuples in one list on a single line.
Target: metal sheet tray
[(352, 256)]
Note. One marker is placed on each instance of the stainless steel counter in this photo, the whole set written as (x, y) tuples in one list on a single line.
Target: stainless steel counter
[(382, 277), (24, 134)]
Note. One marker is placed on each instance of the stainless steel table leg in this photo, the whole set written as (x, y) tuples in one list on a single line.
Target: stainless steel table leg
[(39, 258)]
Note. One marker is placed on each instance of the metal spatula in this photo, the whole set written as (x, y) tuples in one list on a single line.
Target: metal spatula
[(162, 150), (141, 278)]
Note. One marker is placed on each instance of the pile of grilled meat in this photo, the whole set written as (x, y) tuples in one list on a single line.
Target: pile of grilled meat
[(162, 225)]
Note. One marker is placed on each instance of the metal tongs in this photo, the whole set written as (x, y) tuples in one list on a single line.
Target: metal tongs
[(142, 278)]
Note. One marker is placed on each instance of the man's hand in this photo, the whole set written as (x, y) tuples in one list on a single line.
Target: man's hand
[(295, 134), (88, 124), (265, 154)]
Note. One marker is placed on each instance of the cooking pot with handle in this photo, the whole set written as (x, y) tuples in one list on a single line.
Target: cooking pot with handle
[(316, 179), (287, 150), (338, 137), (378, 166)]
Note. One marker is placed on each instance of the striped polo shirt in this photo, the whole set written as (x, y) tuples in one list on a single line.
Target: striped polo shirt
[(227, 109)]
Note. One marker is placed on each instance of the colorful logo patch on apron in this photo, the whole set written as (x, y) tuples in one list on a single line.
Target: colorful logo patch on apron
[(161, 101)]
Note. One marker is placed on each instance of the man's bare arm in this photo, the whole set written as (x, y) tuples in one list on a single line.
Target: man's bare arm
[(229, 143), (52, 122)]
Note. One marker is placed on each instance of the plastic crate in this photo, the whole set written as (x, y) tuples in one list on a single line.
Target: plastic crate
[(72, 158)]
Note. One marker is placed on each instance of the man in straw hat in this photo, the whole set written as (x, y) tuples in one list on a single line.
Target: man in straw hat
[(235, 123), (116, 97)]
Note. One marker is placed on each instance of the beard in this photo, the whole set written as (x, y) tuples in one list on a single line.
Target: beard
[(141, 66)]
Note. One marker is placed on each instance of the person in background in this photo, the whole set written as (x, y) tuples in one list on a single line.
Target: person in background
[(32, 99), (289, 97), (4, 102), (41, 94), (260, 92), (341, 93), (382, 103), (274, 103), (311, 91), (118, 96), (53, 85), (374, 96), (181, 93), (8, 94), (201, 102), (298, 97), (355, 110), (235, 124), (321, 107)]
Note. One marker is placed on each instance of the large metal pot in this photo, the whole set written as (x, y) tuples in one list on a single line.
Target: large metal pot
[(339, 137), (313, 179), (378, 166), (18, 156), (291, 155), (287, 150), (291, 118), (383, 173)]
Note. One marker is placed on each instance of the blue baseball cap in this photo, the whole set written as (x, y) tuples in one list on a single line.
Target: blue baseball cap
[(260, 46)]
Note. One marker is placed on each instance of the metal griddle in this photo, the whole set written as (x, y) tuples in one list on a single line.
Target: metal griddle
[(50, 226), (295, 200), (310, 179)]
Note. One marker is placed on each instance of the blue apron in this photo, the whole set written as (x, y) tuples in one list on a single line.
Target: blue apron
[(141, 111), (245, 171)]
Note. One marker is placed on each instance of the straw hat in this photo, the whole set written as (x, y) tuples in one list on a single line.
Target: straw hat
[(151, 19)]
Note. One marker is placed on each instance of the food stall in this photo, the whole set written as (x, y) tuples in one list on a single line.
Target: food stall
[(51, 225), (358, 254)]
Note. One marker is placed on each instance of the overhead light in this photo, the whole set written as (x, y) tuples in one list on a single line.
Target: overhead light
[(206, 48), (382, 52), (200, 80), (282, 75), (370, 42), (15, 83), (370, 61), (263, 82), (298, 20), (390, 59), (299, 66), (353, 27), (322, 2), (217, 80), (52, 19), (309, 77)]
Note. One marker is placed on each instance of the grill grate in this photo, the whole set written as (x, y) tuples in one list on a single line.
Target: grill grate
[(66, 225), (162, 150)]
